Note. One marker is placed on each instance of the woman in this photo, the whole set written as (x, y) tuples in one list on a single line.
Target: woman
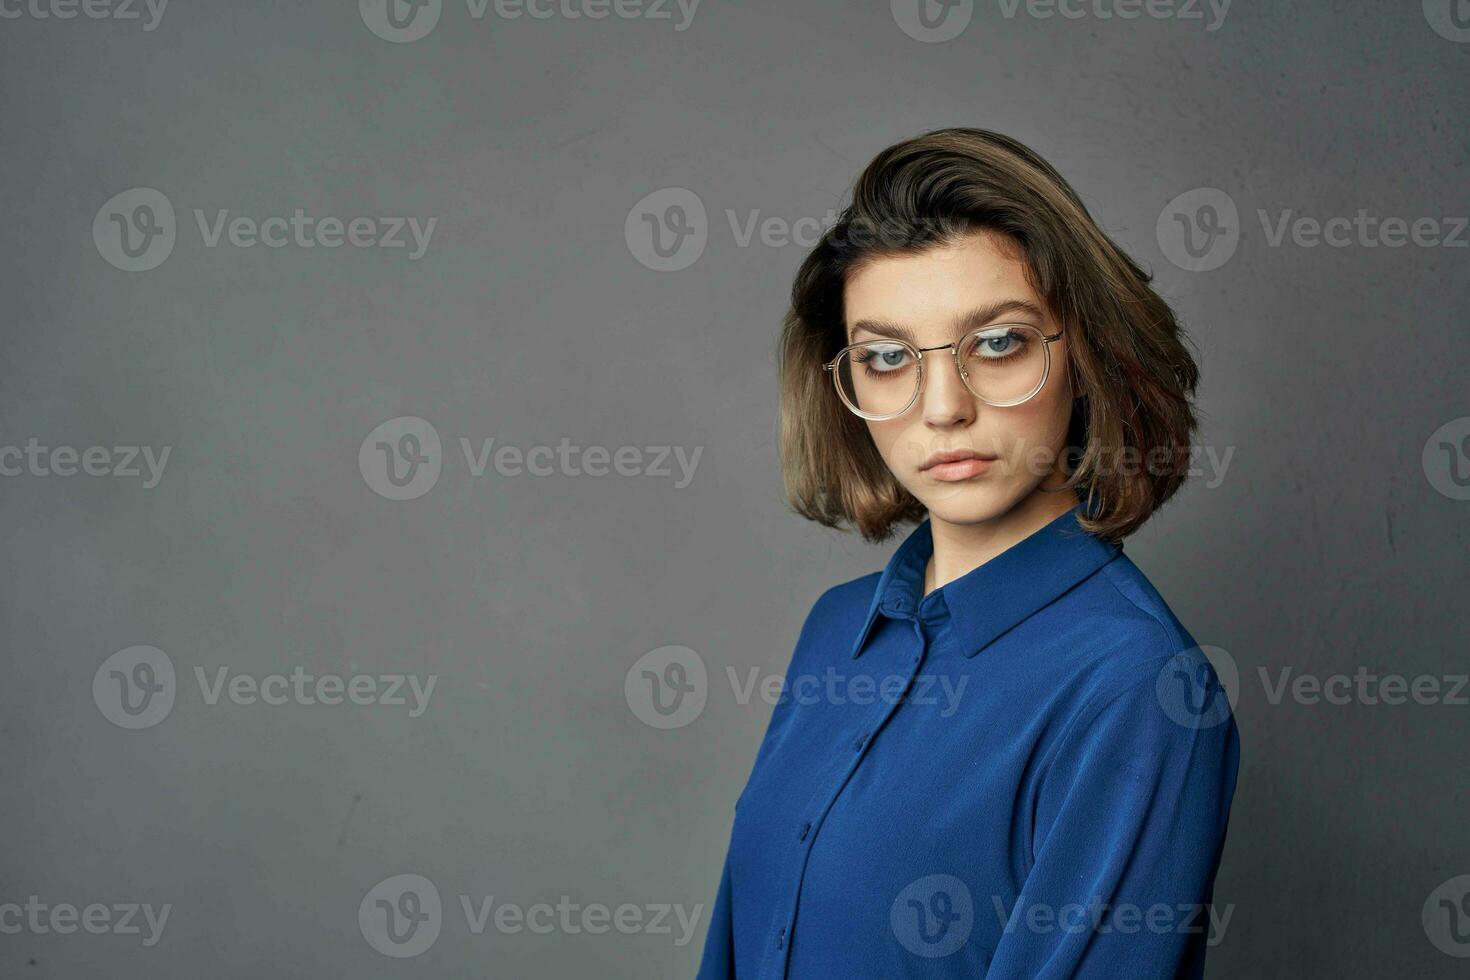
[(1003, 755)]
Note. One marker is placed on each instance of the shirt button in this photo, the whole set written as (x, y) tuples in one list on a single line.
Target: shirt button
[(804, 828), (781, 939), (861, 739)]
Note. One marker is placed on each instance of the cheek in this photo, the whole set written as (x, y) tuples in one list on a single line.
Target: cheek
[(905, 446), (887, 436), (1041, 422)]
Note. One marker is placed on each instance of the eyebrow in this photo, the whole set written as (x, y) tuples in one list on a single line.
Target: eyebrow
[(978, 317)]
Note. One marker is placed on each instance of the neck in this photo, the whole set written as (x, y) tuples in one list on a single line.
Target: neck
[(961, 548)]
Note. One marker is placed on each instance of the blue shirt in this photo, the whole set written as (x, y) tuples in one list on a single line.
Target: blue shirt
[(1026, 773)]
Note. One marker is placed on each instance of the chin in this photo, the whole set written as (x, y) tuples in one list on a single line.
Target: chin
[(970, 501)]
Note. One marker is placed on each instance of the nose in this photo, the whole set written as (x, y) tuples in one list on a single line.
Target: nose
[(947, 402)]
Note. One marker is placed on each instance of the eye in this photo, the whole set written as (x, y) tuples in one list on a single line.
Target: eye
[(883, 358), (998, 343)]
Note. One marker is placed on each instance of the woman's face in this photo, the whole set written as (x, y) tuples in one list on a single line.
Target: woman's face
[(965, 460)]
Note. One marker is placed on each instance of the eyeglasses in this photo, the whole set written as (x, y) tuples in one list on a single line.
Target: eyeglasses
[(1003, 364)]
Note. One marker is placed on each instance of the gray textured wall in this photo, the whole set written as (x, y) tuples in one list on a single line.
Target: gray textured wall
[(1330, 539)]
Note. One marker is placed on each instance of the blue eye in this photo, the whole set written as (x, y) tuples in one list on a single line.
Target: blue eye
[(999, 344), (883, 358)]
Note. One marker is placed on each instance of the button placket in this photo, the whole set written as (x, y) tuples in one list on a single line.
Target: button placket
[(776, 962)]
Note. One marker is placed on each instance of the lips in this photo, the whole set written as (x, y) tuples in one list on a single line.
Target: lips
[(954, 465)]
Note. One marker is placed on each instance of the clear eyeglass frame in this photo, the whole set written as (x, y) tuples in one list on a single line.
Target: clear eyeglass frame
[(954, 349)]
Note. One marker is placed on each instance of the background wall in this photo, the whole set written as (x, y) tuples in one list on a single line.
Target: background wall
[(1328, 536)]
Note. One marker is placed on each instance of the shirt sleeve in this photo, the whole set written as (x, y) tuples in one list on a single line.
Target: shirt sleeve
[(1130, 822)]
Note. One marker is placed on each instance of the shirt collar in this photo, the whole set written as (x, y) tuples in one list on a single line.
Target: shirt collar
[(989, 600)]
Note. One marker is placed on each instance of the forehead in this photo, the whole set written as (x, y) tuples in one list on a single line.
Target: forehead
[(927, 289)]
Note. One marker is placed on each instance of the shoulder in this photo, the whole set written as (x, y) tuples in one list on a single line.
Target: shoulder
[(841, 609), (846, 602), (836, 617), (1121, 656)]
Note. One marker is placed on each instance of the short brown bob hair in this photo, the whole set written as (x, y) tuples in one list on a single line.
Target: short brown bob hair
[(1128, 443)]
